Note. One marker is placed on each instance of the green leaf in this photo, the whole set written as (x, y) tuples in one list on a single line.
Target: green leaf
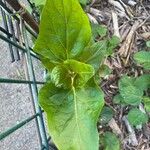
[(84, 2), (110, 141), (106, 115), (99, 30), (137, 117), (148, 43), (146, 101), (47, 63), (104, 70), (143, 58), (73, 115), (64, 30), (112, 43), (126, 81), (39, 2), (62, 75), (131, 94), (143, 82), (94, 54), (118, 99)]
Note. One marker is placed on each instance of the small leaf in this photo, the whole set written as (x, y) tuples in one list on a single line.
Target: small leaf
[(143, 82), (137, 117), (99, 30), (126, 81), (131, 94), (62, 75), (104, 70), (118, 99), (64, 30), (143, 58), (146, 101), (112, 43), (110, 141), (83, 2), (148, 43), (106, 115), (72, 115)]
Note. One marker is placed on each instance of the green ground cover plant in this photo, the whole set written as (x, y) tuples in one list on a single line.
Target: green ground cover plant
[(132, 90)]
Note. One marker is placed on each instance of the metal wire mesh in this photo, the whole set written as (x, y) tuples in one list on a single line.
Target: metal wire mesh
[(15, 33)]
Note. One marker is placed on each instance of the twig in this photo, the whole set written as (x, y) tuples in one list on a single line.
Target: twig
[(124, 50), (119, 7), (115, 24), (115, 128), (98, 14), (92, 19), (132, 135), (143, 110)]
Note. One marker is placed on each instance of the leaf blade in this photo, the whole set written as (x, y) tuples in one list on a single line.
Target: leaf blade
[(64, 113), (64, 32), (137, 117), (110, 141), (143, 58), (63, 74)]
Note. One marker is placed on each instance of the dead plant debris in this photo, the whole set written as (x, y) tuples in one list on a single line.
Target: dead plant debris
[(130, 21)]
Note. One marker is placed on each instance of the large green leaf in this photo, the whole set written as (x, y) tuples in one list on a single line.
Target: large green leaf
[(47, 63), (143, 58), (72, 115), (94, 54), (72, 71), (64, 30)]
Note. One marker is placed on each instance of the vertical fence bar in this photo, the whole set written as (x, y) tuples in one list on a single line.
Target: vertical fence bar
[(6, 28), (34, 91), (13, 37)]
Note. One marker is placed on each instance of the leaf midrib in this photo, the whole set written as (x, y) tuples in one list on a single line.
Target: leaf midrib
[(76, 115)]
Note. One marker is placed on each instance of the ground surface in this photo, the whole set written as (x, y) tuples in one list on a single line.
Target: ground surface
[(130, 21)]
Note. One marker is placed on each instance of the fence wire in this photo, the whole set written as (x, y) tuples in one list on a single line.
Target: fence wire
[(15, 33)]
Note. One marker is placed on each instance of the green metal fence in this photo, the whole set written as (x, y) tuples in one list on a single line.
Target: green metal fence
[(16, 44)]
